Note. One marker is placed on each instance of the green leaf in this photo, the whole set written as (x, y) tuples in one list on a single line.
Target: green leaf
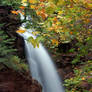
[(35, 42)]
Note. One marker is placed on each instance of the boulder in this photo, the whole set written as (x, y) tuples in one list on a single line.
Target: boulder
[(12, 81)]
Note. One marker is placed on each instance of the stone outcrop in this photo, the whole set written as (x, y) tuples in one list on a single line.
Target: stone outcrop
[(11, 81)]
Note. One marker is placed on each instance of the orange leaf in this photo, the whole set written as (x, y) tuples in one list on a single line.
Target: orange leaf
[(54, 41), (89, 32), (51, 28), (20, 31), (71, 33), (36, 8), (42, 5), (43, 10), (21, 12), (44, 16), (55, 19), (32, 6), (38, 13), (83, 78), (14, 12), (22, 7)]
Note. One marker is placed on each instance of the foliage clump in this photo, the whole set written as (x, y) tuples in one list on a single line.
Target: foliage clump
[(8, 57), (81, 76)]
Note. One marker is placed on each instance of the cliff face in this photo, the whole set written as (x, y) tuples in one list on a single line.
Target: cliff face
[(10, 80)]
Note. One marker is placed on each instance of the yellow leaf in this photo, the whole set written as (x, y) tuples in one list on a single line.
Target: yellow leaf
[(46, 35), (37, 43), (76, 1), (33, 1), (32, 6), (34, 42), (89, 5), (35, 32), (24, 2), (87, 1), (38, 12), (58, 23), (50, 8), (60, 2), (60, 12), (57, 31), (51, 28), (22, 7)]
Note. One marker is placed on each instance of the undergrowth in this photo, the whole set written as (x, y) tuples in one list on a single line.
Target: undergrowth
[(8, 58), (82, 76)]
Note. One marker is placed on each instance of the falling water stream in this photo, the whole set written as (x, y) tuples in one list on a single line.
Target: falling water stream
[(41, 66)]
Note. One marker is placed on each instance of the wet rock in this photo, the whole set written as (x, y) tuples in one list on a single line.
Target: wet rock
[(11, 81), (20, 46), (65, 47)]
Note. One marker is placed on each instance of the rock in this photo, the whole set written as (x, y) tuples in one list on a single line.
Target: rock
[(6, 87), (12, 81), (61, 73), (85, 85), (20, 46)]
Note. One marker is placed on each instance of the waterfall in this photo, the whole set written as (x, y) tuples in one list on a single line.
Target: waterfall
[(41, 66)]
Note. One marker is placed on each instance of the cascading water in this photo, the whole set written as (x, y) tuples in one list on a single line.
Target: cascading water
[(41, 66)]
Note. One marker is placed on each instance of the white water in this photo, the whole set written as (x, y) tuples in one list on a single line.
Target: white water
[(41, 66)]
